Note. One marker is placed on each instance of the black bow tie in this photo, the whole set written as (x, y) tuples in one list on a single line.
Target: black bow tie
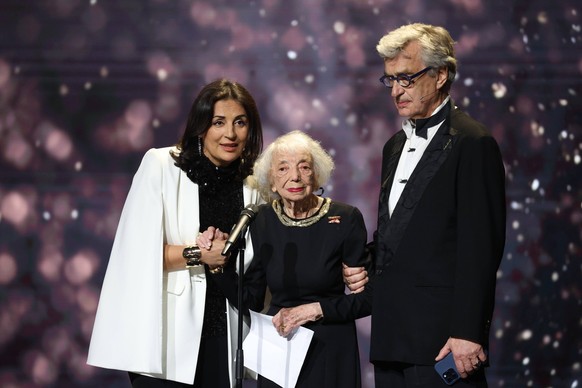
[(422, 125)]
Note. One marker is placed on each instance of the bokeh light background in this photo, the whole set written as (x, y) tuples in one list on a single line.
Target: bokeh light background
[(86, 87)]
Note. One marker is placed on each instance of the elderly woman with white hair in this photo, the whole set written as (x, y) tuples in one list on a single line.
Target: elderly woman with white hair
[(300, 241)]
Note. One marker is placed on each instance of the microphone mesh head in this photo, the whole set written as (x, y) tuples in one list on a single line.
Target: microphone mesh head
[(250, 210)]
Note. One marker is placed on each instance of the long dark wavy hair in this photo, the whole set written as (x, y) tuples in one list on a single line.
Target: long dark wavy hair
[(189, 156)]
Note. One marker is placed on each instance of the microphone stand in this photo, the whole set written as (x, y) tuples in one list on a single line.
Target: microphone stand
[(239, 359)]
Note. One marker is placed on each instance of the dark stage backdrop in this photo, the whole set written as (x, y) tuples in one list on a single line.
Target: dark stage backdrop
[(86, 87)]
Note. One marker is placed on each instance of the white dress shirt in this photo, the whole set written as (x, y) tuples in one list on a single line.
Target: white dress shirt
[(413, 149)]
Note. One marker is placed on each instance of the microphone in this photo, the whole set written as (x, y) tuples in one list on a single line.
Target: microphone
[(246, 216), (427, 95)]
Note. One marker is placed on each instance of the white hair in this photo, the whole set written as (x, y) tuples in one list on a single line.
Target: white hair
[(436, 44), (295, 141)]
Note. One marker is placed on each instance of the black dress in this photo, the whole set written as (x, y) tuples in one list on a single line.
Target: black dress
[(301, 262), (221, 200)]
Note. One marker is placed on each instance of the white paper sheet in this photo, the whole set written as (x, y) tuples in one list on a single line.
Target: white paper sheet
[(277, 358)]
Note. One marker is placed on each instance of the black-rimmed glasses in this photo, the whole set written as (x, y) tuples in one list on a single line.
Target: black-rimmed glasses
[(403, 80)]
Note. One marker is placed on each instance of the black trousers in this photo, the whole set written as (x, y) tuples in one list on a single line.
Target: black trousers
[(401, 375), (211, 371)]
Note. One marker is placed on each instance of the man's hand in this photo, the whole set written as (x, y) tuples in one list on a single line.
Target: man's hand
[(469, 356), (287, 319), (355, 278)]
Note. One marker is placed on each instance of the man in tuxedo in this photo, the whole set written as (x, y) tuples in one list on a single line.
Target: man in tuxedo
[(441, 222)]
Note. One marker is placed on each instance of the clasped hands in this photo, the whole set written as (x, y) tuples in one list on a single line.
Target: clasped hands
[(212, 241)]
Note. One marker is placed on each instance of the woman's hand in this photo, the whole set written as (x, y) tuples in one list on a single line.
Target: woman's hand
[(211, 242), (355, 278), (205, 239), (288, 319)]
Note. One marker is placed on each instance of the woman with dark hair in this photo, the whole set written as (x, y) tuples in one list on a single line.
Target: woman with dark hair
[(161, 317), (201, 116)]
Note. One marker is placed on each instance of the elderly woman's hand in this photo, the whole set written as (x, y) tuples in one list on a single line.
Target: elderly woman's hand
[(355, 278), (288, 319)]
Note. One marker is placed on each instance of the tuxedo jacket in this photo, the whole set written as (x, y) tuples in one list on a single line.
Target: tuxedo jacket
[(437, 255), (149, 321)]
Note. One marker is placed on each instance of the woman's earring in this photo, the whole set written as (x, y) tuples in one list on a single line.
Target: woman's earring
[(199, 146)]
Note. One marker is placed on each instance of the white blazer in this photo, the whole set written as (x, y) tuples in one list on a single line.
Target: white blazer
[(149, 321)]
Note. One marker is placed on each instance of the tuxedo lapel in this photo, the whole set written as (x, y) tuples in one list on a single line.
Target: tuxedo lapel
[(393, 228), (391, 156), (430, 162), (388, 172)]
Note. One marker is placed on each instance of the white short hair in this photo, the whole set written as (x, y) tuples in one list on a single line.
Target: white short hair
[(295, 141)]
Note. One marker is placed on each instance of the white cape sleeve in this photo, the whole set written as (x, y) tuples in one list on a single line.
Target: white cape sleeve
[(127, 334)]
